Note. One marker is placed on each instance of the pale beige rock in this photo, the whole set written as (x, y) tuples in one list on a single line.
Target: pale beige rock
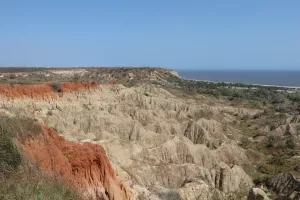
[(174, 73), (257, 194), (158, 143)]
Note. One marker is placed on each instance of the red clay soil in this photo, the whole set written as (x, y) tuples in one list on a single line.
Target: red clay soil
[(85, 165), (37, 91), (77, 86), (41, 91)]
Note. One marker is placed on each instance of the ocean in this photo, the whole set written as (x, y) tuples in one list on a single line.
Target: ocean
[(278, 78)]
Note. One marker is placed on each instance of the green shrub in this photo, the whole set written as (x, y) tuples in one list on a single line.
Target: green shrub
[(290, 144), (294, 96), (57, 87), (259, 178), (270, 142), (278, 160), (12, 76), (266, 169), (171, 195), (10, 128), (244, 143), (10, 158)]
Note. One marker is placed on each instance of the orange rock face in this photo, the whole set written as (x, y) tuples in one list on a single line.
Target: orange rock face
[(38, 91), (77, 86), (85, 165), (42, 91)]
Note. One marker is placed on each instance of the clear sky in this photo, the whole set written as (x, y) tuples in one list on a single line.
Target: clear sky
[(200, 34)]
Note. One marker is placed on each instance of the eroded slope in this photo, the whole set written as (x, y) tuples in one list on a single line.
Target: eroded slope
[(160, 145)]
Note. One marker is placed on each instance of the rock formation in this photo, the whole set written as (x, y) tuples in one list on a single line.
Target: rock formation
[(257, 194), (85, 166), (42, 91), (160, 145), (285, 185)]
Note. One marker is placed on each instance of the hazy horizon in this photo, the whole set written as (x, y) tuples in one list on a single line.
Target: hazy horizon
[(176, 69), (261, 77)]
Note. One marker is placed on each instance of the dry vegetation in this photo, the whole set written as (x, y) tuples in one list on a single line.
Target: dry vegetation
[(19, 179)]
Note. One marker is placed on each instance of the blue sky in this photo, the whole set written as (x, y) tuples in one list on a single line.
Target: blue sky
[(208, 34)]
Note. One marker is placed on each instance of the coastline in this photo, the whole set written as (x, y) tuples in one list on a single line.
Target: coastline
[(261, 78), (263, 85)]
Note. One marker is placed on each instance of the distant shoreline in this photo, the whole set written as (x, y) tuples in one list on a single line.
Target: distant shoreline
[(279, 86), (280, 79)]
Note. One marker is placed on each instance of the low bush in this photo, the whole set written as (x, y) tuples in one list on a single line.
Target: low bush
[(244, 142), (57, 87), (270, 142), (260, 178), (10, 157), (278, 160), (290, 144)]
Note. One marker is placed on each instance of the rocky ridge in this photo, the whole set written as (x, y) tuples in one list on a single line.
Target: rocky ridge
[(160, 145)]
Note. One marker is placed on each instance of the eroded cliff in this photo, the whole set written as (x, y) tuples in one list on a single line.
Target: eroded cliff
[(160, 145), (85, 166)]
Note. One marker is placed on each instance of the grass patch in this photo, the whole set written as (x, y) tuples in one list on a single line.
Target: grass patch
[(19, 128), (9, 154), (19, 179), (29, 183), (10, 129)]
